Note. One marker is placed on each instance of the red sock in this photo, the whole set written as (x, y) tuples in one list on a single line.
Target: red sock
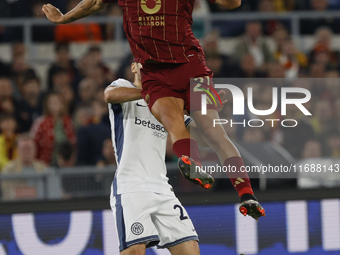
[(187, 147), (238, 178)]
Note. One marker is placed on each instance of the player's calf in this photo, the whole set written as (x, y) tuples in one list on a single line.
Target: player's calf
[(192, 171), (186, 248), (137, 249)]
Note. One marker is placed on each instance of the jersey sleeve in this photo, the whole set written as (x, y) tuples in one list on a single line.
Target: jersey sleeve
[(187, 120), (122, 83), (114, 84)]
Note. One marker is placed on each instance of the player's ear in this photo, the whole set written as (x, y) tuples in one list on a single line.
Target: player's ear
[(134, 67)]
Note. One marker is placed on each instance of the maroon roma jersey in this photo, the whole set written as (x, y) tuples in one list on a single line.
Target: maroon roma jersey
[(160, 30)]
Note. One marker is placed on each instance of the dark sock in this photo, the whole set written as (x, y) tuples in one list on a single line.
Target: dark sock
[(238, 178), (248, 197), (187, 147)]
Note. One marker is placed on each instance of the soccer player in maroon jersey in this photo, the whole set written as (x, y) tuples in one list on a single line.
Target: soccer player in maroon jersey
[(160, 37)]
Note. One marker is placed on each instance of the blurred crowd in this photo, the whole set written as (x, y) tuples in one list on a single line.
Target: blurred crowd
[(68, 120), (64, 123), (102, 32), (60, 33), (28, 8)]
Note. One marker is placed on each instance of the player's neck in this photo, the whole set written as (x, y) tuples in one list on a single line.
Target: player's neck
[(137, 82)]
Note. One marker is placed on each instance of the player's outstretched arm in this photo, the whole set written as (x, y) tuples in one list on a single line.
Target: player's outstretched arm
[(229, 4), (83, 9), (118, 95)]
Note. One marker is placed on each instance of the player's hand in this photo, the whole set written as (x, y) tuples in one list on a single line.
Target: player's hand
[(53, 13), (222, 95)]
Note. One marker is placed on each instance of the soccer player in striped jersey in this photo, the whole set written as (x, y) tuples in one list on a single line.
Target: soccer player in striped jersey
[(160, 37)]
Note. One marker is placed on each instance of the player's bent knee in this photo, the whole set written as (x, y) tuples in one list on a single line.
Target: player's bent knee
[(137, 249), (186, 248), (172, 120)]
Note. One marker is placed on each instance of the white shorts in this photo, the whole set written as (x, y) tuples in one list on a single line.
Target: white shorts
[(151, 218)]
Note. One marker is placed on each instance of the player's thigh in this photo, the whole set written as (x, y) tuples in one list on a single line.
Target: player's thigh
[(168, 107), (132, 212), (161, 84), (169, 111), (137, 249), (173, 223), (166, 90), (186, 248), (215, 136)]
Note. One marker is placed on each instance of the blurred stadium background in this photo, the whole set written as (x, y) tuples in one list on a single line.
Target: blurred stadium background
[(56, 176)]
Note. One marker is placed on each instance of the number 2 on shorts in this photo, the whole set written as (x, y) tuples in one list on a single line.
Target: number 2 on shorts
[(181, 217)]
